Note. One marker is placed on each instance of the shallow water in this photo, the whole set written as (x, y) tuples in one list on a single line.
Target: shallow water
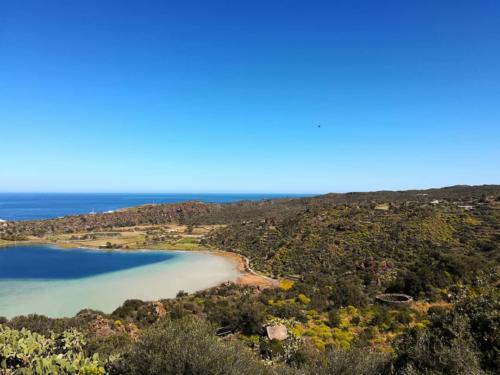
[(105, 291)]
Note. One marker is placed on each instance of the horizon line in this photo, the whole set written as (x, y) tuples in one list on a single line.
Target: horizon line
[(154, 192), (247, 193)]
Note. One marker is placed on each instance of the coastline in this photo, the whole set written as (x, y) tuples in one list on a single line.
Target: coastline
[(247, 276), (64, 297)]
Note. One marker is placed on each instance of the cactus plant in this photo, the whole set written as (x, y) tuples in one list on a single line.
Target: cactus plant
[(26, 353)]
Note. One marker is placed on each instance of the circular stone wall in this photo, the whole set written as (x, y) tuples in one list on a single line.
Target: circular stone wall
[(397, 299)]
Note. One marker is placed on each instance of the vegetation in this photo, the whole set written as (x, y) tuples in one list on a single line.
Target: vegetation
[(332, 255), (23, 352), (186, 346), (346, 255)]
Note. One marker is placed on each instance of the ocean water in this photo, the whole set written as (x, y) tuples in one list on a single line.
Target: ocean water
[(54, 293), (34, 206)]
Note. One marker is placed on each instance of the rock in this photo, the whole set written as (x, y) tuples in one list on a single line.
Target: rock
[(101, 326), (159, 309), (277, 332)]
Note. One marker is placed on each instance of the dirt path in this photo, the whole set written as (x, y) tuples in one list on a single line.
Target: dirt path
[(248, 277), (250, 270), (251, 277)]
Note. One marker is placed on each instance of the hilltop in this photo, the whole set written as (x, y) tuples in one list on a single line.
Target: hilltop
[(198, 213)]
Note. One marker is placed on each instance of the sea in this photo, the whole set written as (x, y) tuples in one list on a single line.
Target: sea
[(36, 206)]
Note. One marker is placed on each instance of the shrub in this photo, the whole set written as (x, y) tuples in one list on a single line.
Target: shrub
[(483, 313), (128, 309), (446, 347), (186, 346), (107, 347), (348, 291), (333, 318), (181, 294), (35, 323), (288, 311), (251, 318), (303, 299), (348, 362), (286, 284), (45, 326)]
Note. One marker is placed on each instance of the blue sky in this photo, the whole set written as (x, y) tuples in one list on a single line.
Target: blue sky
[(227, 96)]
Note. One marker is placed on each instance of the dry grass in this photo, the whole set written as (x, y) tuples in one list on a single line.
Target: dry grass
[(180, 237), (6, 243), (422, 306)]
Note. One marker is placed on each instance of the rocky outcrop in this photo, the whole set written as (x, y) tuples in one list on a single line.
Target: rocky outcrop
[(103, 327)]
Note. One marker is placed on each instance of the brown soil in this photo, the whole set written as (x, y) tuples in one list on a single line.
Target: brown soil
[(254, 280), (247, 277)]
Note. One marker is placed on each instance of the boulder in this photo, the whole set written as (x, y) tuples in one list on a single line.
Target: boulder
[(277, 332)]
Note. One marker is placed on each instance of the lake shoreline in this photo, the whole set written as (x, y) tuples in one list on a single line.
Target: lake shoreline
[(64, 290), (247, 276)]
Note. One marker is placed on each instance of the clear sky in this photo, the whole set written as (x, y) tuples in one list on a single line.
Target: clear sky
[(227, 96)]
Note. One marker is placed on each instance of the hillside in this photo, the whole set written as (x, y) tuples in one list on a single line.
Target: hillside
[(333, 255), (197, 213)]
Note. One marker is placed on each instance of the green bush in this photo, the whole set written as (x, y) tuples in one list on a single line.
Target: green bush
[(446, 347), (186, 346), (483, 312), (348, 362), (251, 318), (333, 318), (107, 347)]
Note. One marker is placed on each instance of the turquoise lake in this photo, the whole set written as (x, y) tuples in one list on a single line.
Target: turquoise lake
[(60, 282)]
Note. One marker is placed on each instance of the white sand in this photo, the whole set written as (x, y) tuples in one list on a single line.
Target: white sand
[(190, 271)]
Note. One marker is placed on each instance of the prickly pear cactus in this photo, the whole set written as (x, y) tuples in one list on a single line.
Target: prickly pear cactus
[(26, 353)]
